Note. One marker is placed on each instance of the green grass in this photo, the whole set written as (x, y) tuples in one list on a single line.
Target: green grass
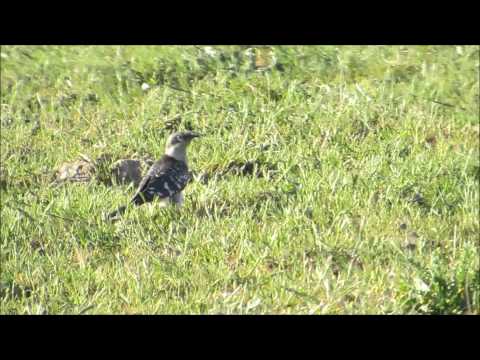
[(363, 197)]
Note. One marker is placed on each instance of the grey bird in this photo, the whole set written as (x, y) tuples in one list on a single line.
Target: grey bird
[(167, 177)]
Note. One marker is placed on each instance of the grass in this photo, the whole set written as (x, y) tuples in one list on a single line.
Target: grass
[(344, 180)]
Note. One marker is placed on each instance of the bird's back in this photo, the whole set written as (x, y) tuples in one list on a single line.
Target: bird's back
[(165, 178)]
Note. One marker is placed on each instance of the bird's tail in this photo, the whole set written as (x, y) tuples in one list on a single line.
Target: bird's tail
[(115, 214)]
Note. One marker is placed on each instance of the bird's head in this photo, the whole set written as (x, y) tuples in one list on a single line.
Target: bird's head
[(177, 143)]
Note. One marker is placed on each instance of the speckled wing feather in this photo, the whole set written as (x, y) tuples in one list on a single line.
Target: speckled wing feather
[(164, 179)]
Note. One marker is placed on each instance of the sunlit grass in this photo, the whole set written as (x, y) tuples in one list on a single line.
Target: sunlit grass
[(342, 180)]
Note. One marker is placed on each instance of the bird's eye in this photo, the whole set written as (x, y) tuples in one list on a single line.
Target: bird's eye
[(179, 138)]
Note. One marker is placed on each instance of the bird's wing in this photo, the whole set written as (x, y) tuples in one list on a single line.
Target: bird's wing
[(165, 178)]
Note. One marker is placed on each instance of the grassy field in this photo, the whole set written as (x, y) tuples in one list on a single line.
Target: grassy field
[(338, 180)]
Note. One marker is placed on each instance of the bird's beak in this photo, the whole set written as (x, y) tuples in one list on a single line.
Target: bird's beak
[(193, 135)]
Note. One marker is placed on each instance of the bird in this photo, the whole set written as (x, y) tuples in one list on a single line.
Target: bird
[(167, 177)]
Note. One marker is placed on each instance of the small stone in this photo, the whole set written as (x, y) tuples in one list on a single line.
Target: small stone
[(126, 171), (79, 171)]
